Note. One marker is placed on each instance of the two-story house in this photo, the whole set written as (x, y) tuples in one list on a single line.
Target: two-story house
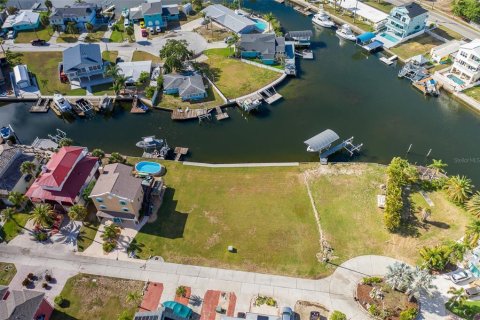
[(265, 46), (83, 65), (80, 13), (117, 194), (64, 177), (407, 21), (155, 13), (466, 67)]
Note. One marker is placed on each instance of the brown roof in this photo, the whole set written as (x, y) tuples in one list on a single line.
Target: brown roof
[(117, 179)]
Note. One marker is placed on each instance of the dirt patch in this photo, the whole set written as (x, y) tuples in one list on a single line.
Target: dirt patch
[(304, 308), (213, 240), (355, 169)]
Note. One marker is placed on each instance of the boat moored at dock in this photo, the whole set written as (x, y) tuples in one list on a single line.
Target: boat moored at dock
[(323, 19), (345, 32), (6, 132), (62, 104)]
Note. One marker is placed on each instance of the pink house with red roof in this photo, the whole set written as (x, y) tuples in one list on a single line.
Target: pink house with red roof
[(64, 177)]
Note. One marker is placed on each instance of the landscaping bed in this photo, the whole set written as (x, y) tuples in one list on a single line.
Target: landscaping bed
[(7, 272)]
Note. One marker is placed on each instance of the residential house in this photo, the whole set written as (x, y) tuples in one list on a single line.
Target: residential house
[(80, 13), (83, 65), (11, 179), (407, 21), (466, 67), (264, 46), (132, 70), (446, 50), (233, 20), (188, 87), (22, 20), (155, 13), (24, 304), (117, 194), (64, 177)]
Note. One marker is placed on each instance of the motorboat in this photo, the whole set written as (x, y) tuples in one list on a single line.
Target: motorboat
[(150, 142), (125, 12), (106, 104), (323, 19), (251, 104), (345, 32), (6, 132), (62, 104), (431, 88)]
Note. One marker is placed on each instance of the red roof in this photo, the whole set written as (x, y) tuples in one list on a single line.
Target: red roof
[(59, 166), (72, 185)]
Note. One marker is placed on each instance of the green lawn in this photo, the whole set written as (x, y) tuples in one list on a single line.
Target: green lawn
[(418, 45), (12, 228), (119, 35), (174, 102), (87, 234), (97, 35), (467, 311), (263, 212), (67, 38), (101, 89), (44, 65), (447, 33), (235, 78), (96, 297), (145, 56), (380, 5), (28, 36), (110, 56), (473, 92), (7, 272)]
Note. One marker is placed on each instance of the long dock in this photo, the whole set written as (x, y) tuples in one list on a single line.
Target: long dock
[(271, 96), (179, 114), (179, 152)]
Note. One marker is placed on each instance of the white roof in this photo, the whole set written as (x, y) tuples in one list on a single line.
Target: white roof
[(363, 10), (21, 73), (23, 17), (447, 48), (132, 70), (472, 45), (228, 18)]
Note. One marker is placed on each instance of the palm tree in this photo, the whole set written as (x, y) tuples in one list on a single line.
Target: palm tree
[(457, 251), (89, 27), (116, 87), (269, 17), (42, 215), (133, 297), (129, 31), (28, 167), (49, 5), (473, 205), (435, 258), (77, 212), (232, 40), (8, 214), (99, 153), (17, 199), (458, 188), (112, 71), (472, 233), (111, 232), (438, 166), (458, 297), (71, 28), (45, 21)]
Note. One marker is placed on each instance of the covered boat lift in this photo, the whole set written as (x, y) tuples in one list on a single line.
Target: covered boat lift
[(322, 143), (367, 41)]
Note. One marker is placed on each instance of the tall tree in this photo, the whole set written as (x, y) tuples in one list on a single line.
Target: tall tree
[(8, 214), (175, 53), (269, 17), (435, 258), (110, 232), (45, 21), (472, 233), (71, 27), (28, 167), (143, 79), (42, 215), (89, 27), (17, 199), (458, 189), (77, 212), (49, 5), (129, 31), (473, 204), (112, 71)]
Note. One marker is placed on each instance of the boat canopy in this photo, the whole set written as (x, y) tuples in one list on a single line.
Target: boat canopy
[(374, 45), (365, 37), (299, 34), (178, 309), (322, 140)]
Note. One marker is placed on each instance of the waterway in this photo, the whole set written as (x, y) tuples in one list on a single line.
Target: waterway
[(342, 89)]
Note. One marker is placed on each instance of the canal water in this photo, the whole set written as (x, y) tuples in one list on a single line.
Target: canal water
[(343, 89)]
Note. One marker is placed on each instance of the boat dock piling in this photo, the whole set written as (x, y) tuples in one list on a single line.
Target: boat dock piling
[(389, 61), (42, 105), (271, 95), (179, 152), (220, 114)]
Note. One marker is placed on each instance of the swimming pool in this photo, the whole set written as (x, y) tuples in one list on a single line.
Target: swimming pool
[(148, 167), (456, 79), (260, 24), (389, 37)]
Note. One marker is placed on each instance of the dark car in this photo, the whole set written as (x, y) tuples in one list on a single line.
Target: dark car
[(38, 42), (144, 33)]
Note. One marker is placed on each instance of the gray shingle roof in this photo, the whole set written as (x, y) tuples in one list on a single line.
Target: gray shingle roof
[(414, 9), (76, 10), (186, 85), (81, 54), (117, 179), (12, 174), (20, 304), (265, 43), (152, 8), (228, 18)]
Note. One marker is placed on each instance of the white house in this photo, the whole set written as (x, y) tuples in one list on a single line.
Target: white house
[(22, 20), (446, 50), (466, 68), (22, 78)]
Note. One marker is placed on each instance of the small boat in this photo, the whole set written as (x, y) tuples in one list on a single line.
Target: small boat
[(249, 104), (323, 19), (431, 88), (345, 32), (125, 12), (62, 103), (150, 142), (106, 104), (6, 132)]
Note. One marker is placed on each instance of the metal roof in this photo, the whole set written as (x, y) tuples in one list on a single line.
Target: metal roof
[(228, 18), (81, 55), (299, 34), (322, 140), (180, 310), (364, 37)]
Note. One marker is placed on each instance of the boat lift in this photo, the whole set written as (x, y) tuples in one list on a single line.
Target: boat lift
[(322, 143), (59, 135)]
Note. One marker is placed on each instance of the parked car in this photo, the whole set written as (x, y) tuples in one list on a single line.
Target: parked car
[(126, 23), (38, 42), (158, 29), (473, 291), (460, 276), (144, 33), (314, 315), (142, 24), (11, 34), (151, 30), (110, 24), (287, 313), (228, 39)]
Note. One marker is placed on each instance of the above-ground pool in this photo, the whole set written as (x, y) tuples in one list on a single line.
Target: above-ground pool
[(148, 167)]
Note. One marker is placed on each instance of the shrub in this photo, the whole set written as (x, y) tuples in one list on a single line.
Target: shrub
[(48, 278), (41, 236), (371, 280), (337, 315), (108, 246), (59, 300), (149, 91), (26, 282), (181, 291), (373, 310), (409, 314), (30, 276), (44, 285)]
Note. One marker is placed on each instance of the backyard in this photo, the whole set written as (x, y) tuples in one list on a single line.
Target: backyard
[(102, 89), (44, 65), (110, 56), (173, 101), (346, 16), (96, 297), (145, 56), (235, 78), (418, 45), (473, 92), (7, 272)]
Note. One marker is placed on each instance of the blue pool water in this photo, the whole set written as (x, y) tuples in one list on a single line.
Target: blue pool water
[(456, 79), (148, 167), (261, 25), (389, 37)]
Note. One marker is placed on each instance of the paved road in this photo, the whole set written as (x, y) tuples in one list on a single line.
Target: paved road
[(335, 292)]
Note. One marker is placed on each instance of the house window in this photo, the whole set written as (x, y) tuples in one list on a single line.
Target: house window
[(123, 202), (125, 209), (103, 207), (157, 23), (99, 199)]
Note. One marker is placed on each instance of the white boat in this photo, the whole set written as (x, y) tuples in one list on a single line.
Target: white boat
[(62, 103), (323, 19), (125, 12), (249, 104), (345, 32)]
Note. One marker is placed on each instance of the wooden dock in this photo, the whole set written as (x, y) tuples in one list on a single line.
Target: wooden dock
[(302, 10), (42, 106), (179, 114), (271, 95), (135, 107), (55, 109), (179, 152), (220, 114), (421, 85)]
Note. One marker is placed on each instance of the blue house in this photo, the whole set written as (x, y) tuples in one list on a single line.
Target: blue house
[(84, 66), (405, 21), (155, 14), (80, 13), (22, 20), (264, 46), (189, 88)]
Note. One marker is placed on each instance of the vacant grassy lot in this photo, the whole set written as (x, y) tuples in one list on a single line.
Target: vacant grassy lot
[(447, 33), (418, 45), (174, 101), (145, 56), (345, 196), (263, 212), (13, 227), (96, 297), (380, 5), (97, 35), (473, 92), (7, 272), (212, 32), (110, 56), (28, 36), (235, 78), (44, 65)]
